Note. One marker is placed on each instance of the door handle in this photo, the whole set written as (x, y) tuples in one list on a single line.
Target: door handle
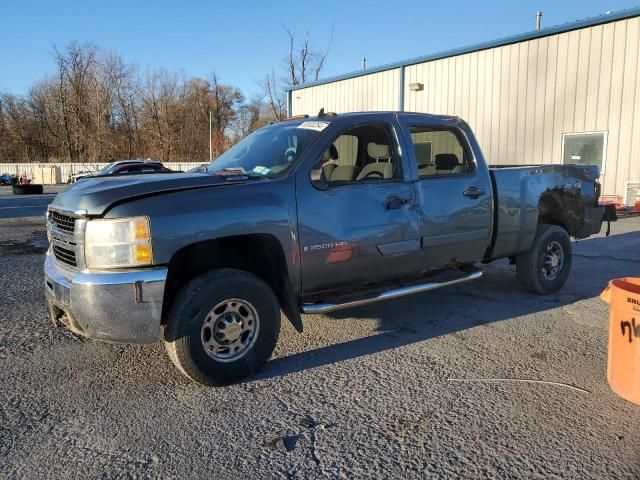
[(393, 202), (473, 192)]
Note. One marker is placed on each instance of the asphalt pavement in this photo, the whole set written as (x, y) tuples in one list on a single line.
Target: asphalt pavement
[(17, 206), (477, 380)]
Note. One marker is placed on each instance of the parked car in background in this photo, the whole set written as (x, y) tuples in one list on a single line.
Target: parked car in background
[(123, 167), (7, 179)]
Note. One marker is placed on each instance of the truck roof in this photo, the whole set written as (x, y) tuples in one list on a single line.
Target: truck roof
[(328, 117)]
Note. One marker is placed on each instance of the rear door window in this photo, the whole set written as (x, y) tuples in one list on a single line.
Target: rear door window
[(439, 152)]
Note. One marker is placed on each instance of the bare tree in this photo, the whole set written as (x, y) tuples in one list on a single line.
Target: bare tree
[(159, 97), (249, 117), (304, 63), (225, 99), (17, 118), (96, 107), (76, 74), (42, 110), (276, 97), (122, 84)]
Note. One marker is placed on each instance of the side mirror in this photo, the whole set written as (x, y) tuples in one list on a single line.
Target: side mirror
[(318, 179)]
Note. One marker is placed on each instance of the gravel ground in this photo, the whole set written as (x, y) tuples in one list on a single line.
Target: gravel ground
[(366, 392)]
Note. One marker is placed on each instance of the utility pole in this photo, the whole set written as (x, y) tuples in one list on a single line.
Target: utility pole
[(210, 142)]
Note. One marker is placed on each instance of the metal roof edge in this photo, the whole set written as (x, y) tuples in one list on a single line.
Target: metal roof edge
[(521, 37)]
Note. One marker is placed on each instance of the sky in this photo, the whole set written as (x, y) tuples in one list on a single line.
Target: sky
[(244, 40)]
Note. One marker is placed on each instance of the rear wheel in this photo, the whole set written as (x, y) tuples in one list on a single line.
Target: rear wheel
[(546, 266), (222, 327)]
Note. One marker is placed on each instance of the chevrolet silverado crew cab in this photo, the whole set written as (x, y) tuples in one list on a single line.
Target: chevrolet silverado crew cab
[(308, 215)]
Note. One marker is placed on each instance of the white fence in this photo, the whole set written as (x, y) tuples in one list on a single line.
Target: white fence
[(50, 173)]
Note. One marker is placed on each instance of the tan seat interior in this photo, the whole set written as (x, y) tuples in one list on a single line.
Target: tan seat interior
[(382, 168)]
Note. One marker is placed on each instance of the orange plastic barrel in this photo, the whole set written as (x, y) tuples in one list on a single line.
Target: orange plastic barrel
[(623, 371)]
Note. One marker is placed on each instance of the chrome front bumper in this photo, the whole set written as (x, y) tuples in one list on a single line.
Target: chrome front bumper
[(114, 306)]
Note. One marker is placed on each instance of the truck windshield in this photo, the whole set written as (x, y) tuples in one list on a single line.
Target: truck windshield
[(267, 152)]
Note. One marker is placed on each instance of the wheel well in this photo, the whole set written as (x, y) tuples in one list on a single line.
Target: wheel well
[(551, 211), (260, 254)]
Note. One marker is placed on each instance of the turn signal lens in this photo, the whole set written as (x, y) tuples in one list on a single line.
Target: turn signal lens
[(141, 230), (142, 253)]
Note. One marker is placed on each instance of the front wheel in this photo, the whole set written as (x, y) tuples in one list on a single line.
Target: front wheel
[(222, 327), (545, 267)]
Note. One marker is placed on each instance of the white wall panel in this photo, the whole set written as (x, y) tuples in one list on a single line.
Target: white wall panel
[(376, 91), (521, 98)]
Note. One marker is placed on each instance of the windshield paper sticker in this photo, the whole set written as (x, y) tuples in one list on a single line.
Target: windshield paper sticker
[(317, 126), (261, 170)]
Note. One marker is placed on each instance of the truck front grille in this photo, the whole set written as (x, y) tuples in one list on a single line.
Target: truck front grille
[(65, 231), (63, 222), (65, 256)]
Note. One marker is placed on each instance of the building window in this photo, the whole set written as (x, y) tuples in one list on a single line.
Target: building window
[(588, 148)]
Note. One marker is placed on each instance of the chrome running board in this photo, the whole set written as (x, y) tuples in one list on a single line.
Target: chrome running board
[(388, 294)]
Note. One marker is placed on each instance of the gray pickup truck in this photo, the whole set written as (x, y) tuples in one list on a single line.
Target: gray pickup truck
[(308, 215)]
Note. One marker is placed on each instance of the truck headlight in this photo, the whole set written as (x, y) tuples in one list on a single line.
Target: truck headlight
[(119, 242)]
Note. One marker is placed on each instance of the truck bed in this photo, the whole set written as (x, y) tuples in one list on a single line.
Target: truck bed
[(522, 196)]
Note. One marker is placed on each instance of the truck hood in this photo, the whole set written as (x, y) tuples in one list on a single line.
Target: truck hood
[(96, 195)]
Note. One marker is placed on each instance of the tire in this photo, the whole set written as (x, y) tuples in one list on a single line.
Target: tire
[(27, 189), (196, 336), (535, 268)]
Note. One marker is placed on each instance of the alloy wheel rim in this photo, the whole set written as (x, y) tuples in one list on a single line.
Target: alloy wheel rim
[(230, 330), (552, 260)]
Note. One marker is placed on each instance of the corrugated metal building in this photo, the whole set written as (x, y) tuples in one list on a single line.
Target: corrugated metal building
[(569, 93)]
